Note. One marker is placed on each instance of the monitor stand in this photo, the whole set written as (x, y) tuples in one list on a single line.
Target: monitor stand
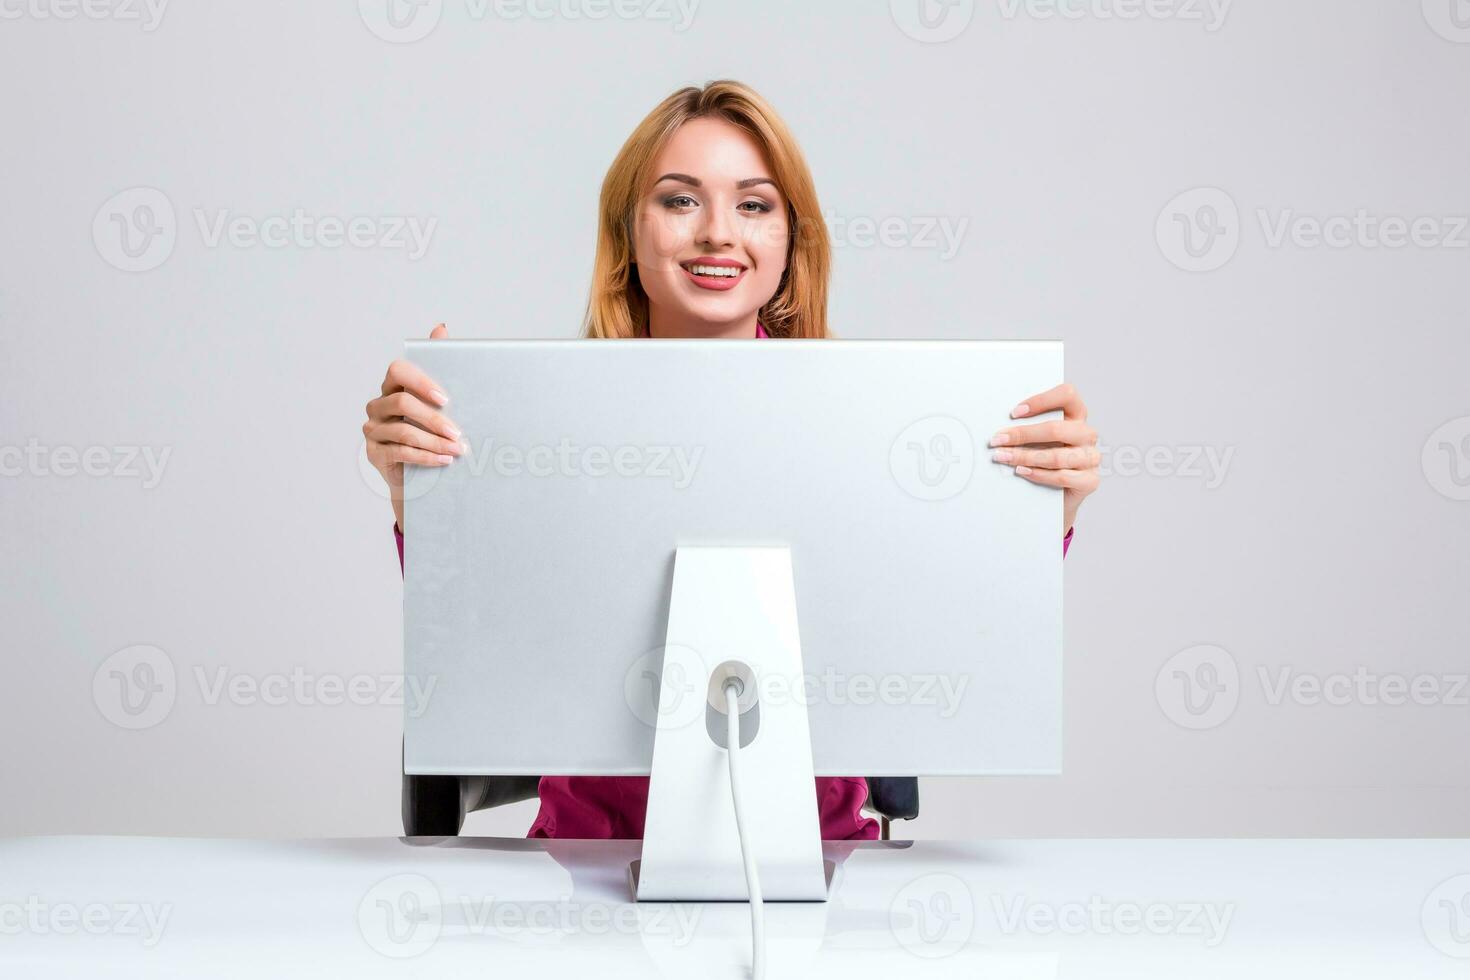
[(731, 606)]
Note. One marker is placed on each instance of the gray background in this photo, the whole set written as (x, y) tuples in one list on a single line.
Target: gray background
[(1332, 542)]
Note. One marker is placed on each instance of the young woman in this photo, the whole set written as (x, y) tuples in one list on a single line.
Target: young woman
[(708, 228)]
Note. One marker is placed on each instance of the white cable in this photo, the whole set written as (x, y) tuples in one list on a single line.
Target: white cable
[(752, 880)]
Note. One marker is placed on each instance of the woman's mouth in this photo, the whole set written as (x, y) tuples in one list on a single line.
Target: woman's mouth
[(710, 273)]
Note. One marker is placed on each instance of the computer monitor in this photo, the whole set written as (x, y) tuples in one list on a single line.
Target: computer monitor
[(538, 567)]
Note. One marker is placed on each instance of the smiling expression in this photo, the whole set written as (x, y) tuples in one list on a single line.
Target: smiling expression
[(711, 234)]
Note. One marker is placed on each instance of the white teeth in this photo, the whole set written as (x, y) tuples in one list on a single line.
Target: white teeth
[(724, 271)]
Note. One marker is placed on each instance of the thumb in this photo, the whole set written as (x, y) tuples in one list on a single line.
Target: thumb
[(439, 332)]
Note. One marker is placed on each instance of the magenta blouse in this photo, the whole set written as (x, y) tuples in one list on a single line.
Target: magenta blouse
[(604, 807)]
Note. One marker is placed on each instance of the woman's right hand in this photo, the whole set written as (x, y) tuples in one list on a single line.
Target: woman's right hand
[(404, 425)]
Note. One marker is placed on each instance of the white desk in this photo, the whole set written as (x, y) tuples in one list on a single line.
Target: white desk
[(490, 907)]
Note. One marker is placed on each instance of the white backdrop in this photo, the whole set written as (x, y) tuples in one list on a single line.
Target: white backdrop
[(1247, 220)]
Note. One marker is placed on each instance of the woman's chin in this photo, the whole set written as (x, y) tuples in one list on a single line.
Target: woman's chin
[(715, 315)]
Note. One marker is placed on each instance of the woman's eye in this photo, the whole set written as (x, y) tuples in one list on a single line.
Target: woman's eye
[(679, 201), (760, 207)]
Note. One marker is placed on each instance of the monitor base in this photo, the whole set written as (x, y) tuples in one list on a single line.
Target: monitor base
[(732, 612)]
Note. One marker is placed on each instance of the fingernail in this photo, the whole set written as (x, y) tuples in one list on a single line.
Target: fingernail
[(1023, 471), (1001, 456), (1000, 439), (457, 450), (446, 460), (1019, 410), (439, 396), (452, 431)]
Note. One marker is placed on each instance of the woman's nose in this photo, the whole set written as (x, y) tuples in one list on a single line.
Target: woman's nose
[(716, 230)]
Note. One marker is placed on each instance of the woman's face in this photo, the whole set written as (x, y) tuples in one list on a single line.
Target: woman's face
[(710, 235)]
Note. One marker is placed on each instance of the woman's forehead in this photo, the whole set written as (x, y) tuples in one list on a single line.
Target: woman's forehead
[(712, 151)]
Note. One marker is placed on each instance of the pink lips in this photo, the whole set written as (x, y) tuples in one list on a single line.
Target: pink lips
[(714, 282)]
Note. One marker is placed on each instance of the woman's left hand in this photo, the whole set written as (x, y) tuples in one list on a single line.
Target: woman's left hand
[(1062, 453)]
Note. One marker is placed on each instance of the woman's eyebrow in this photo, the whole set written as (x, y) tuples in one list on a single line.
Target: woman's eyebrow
[(695, 181)]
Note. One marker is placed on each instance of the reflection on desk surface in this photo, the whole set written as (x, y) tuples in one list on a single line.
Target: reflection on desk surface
[(72, 906)]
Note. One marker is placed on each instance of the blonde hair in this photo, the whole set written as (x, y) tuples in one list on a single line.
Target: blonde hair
[(618, 306)]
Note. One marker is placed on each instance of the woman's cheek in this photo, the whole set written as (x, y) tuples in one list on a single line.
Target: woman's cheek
[(664, 239), (768, 247)]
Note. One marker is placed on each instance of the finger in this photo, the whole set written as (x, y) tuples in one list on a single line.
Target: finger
[(1063, 397), (406, 376), (402, 404), (1069, 432), (440, 332), (1064, 458), (1084, 480), (407, 434), (398, 453)]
